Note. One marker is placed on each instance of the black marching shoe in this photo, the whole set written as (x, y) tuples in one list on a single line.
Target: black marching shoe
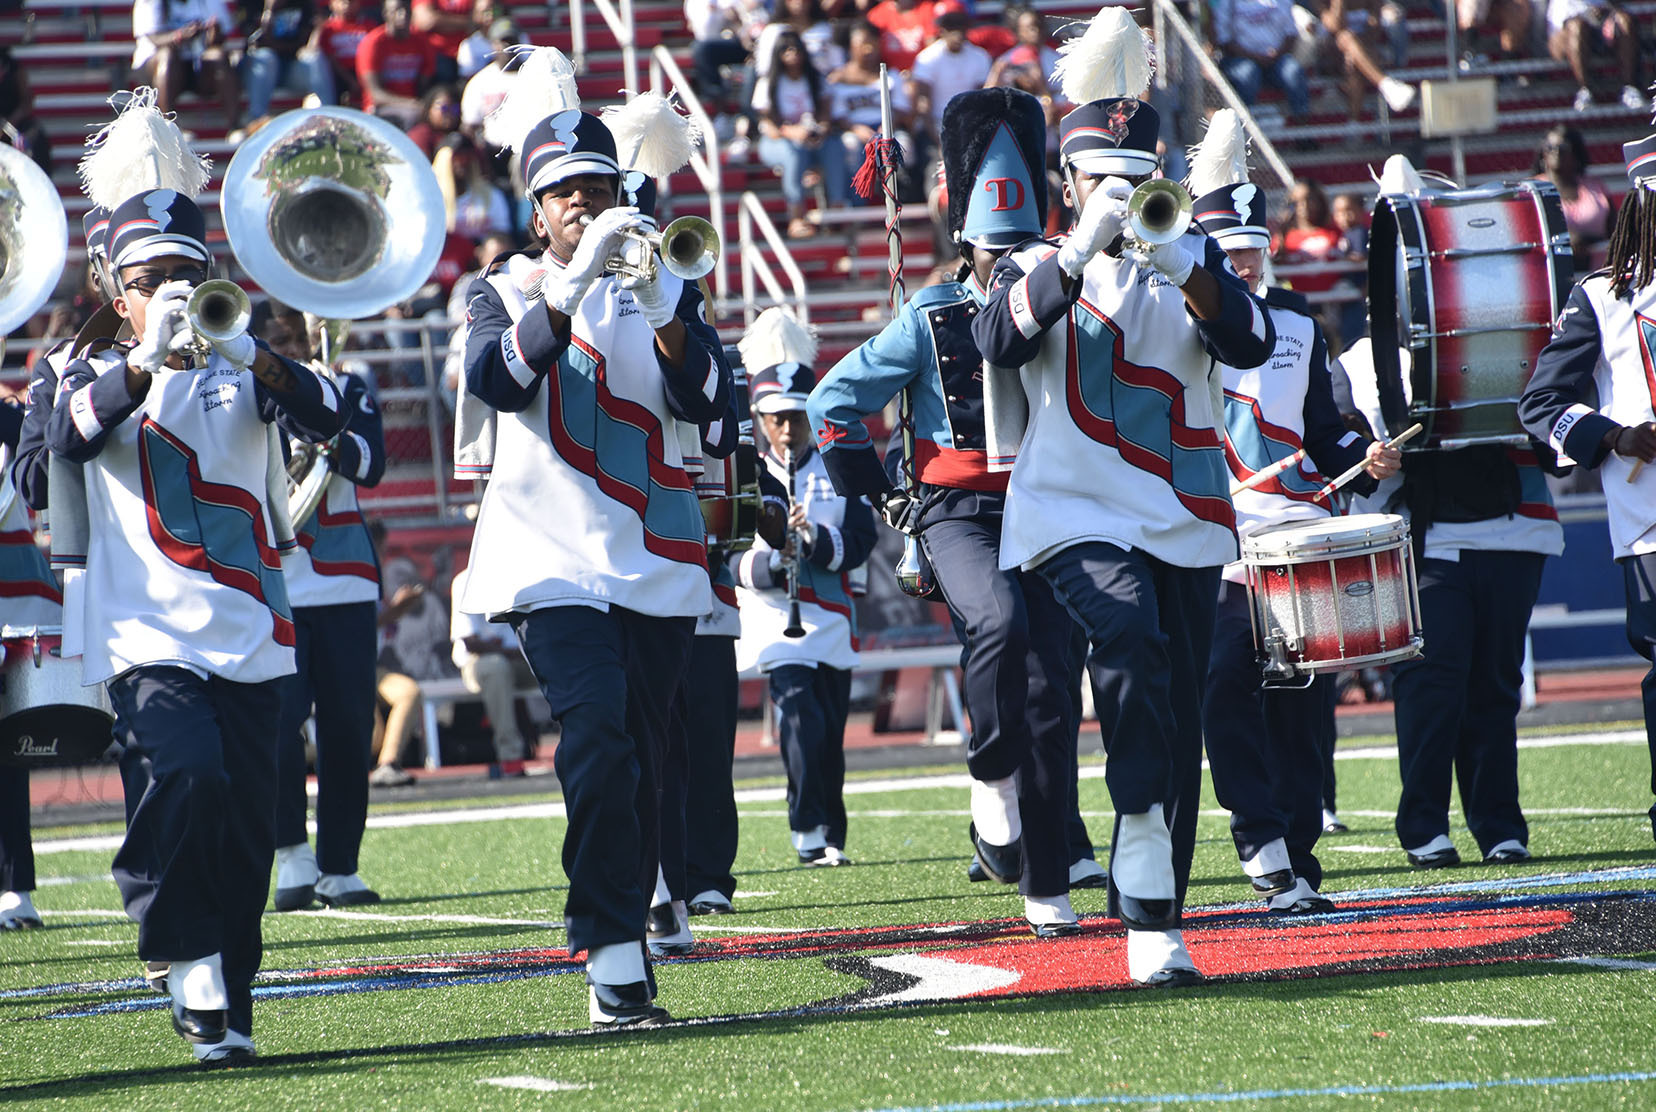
[(1145, 915), (1509, 852), (624, 1005), (1048, 931), (660, 920), (1435, 859), (1002, 863), (198, 1026), (1273, 884), (974, 871)]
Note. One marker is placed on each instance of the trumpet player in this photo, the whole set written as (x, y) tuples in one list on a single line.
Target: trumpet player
[(1020, 755), (186, 617), (1119, 496), (590, 541), (799, 626)]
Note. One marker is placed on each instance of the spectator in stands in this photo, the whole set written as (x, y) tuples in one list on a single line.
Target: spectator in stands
[(1029, 63), (1356, 28), (486, 88), (395, 64), (280, 56), (946, 68), (1256, 40), (1577, 30), (336, 42), (998, 38), (448, 23), (17, 109), (454, 370), (803, 18), (492, 665), (179, 47), (1351, 221), (479, 46), (724, 31), (1508, 21), (439, 118), (1589, 214), (397, 710), (794, 112), (854, 111), (1309, 238), (476, 206), (907, 27)]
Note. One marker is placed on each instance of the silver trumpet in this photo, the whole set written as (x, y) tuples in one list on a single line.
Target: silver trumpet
[(688, 248), (218, 310), (1159, 211)]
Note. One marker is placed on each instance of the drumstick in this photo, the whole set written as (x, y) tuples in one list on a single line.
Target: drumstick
[(1268, 473), (1351, 473), (1633, 472)]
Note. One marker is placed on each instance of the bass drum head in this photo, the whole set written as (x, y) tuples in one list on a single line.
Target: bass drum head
[(1397, 298), (56, 736)]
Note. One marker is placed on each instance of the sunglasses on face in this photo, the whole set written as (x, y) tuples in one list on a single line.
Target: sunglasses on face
[(150, 281)]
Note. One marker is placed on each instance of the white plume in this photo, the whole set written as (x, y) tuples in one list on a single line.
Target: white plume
[(542, 85), (651, 136), (776, 337), (1112, 59), (1221, 158), (140, 150)]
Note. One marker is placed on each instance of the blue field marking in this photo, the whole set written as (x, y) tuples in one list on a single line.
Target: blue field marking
[(1280, 1094)]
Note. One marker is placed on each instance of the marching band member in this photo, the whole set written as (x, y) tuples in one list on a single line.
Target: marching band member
[(802, 583), (1603, 348), (1020, 753), (1118, 497), (186, 618), (1264, 745), (589, 539), (333, 585), (1483, 524)]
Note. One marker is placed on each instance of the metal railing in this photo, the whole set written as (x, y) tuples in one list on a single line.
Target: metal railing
[(665, 77), (751, 216), (618, 16)]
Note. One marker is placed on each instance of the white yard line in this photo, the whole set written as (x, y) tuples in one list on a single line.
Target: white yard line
[(1004, 1048), (959, 780), (533, 1084), (1483, 1021), (1620, 965)]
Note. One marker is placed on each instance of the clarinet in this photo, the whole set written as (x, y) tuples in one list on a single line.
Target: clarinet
[(795, 629)]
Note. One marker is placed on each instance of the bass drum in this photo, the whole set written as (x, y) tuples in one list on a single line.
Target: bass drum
[(47, 719), (1469, 281), (729, 487)]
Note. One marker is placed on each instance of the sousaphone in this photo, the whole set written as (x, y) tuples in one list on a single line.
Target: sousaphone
[(34, 237), (339, 215)]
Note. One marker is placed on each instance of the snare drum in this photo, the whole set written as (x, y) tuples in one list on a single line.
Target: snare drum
[(1469, 281), (1332, 594), (47, 718), (729, 487)]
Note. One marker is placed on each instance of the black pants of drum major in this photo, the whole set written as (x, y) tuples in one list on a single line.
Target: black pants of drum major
[(1639, 579), (1457, 703), (1149, 628), (1016, 664), (811, 704), (698, 797), (1264, 745), (334, 656), (17, 864), (194, 869), (609, 678)]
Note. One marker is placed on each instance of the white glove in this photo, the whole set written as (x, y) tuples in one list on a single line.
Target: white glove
[(602, 238), (1102, 219), (165, 329), (1172, 259), (238, 351), (655, 301)]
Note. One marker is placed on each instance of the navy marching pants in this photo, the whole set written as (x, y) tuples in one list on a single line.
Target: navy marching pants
[(609, 678), (17, 865), (1015, 659), (1149, 628), (698, 809), (194, 869), (1264, 746), (1639, 579), (811, 704), (334, 653), (1457, 703)]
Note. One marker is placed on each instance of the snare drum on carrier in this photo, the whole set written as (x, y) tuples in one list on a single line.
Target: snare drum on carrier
[(1332, 594), (47, 718)]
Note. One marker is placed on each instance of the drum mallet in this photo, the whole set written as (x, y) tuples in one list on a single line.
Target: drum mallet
[(1268, 473), (1351, 473)]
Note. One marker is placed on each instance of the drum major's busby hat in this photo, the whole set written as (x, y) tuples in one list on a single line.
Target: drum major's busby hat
[(994, 160), (1227, 206), (1104, 71), (778, 350)]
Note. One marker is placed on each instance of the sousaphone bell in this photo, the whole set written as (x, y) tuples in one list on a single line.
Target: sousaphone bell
[(34, 237)]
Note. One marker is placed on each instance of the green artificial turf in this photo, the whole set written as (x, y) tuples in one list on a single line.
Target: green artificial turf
[(458, 889)]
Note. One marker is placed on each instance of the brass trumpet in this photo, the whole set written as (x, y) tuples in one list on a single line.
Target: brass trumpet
[(688, 248), (1159, 211), (218, 310)]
